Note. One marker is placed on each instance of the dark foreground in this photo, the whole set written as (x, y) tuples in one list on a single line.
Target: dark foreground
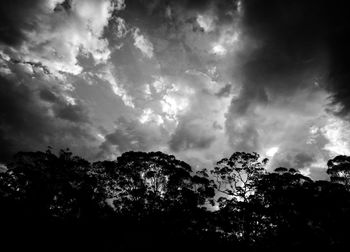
[(152, 201)]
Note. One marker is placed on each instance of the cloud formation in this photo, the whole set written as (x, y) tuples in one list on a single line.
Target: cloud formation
[(39, 49), (33, 117), (199, 79), (53, 33)]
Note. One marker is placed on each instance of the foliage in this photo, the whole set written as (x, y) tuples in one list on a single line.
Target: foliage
[(151, 200), (236, 177), (149, 183), (339, 170)]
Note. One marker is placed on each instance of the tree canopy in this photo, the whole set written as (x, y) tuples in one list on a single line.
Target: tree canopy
[(143, 200)]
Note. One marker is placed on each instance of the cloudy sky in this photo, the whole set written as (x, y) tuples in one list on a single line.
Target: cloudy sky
[(198, 79)]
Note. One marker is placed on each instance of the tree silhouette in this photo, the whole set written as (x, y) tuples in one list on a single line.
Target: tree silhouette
[(339, 170), (300, 212), (150, 200), (52, 186), (155, 191), (236, 178), (281, 195), (147, 183)]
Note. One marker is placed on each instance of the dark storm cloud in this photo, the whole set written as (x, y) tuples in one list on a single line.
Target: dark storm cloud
[(298, 32), (225, 91), (15, 15), (126, 136), (76, 112), (290, 41), (152, 7), (66, 5), (188, 136), (303, 160), (40, 42), (33, 117), (291, 48), (199, 78), (295, 42), (297, 160), (49, 96), (173, 15), (340, 55), (130, 134)]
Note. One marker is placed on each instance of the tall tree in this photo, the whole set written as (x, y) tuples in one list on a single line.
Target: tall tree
[(154, 182), (280, 197), (236, 176), (236, 179), (339, 170)]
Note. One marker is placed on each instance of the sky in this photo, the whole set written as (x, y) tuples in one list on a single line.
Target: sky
[(196, 79)]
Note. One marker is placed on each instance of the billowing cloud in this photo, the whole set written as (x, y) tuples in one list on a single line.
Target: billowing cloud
[(39, 49), (284, 78), (53, 33), (337, 132), (199, 79), (142, 43)]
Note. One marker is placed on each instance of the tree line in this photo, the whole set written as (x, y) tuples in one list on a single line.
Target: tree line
[(55, 202)]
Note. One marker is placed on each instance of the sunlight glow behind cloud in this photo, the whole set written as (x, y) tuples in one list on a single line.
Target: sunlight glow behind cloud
[(272, 151), (149, 116), (338, 134), (175, 102), (219, 50), (206, 22)]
